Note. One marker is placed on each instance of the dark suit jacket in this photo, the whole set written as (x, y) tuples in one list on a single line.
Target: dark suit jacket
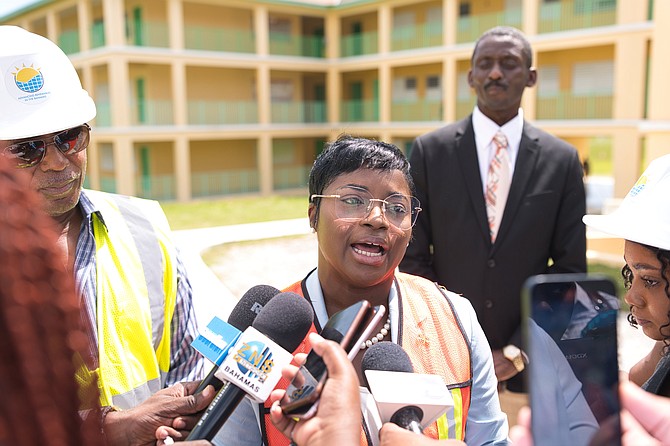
[(542, 222)]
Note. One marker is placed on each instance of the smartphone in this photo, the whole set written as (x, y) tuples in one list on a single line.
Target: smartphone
[(349, 327), (570, 334)]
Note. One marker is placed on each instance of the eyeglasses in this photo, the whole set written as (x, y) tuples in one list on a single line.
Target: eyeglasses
[(31, 152), (400, 210)]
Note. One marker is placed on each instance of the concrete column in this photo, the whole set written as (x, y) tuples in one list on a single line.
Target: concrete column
[(449, 88), (626, 158), (657, 144), (333, 32), (182, 162), (124, 161), (119, 88), (333, 94), (84, 25), (530, 12), (265, 163), (632, 11), (449, 22), (529, 99), (179, 97), (113, 18), (659, 74), (263, 94), (261, 30), (175, 16), (385, 22), (384, 92), (93, 164), (630, 62), (53, 28)]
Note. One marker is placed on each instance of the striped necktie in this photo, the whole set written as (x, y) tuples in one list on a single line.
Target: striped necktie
[(497, 184)]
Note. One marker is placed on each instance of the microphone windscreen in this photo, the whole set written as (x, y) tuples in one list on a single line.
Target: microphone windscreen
[(386, 356), (286, 319), (250, 305)]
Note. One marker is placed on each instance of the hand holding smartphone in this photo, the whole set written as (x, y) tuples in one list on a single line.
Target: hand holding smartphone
[(349, 327), (570, 333)]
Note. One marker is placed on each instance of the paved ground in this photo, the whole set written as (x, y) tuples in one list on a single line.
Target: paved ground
[(278, 254)]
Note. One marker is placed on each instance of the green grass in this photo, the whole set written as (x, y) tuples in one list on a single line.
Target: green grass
[(234, 210)]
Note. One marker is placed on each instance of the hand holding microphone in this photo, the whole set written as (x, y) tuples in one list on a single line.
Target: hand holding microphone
[(253, 366), (337, 420)]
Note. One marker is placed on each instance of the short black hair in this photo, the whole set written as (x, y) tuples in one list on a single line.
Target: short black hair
[(513, 33), (349, 153)]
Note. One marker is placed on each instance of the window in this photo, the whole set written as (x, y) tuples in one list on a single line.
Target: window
[(464, 9), (548, 81), (589, 78), (463, 92), (433, 89), (404, 89)]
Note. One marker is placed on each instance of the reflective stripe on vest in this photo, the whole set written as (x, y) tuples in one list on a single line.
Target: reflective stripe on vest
[(137, 287), (422, 322)]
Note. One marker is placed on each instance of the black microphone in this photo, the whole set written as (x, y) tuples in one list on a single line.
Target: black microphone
[(390, 357), (241, 317), (285, 320)]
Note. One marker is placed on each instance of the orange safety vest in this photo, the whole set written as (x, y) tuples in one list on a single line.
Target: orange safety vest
[(432, 335)]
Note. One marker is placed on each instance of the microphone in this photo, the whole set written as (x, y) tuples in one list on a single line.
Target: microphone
[(241, 317), (254, 365), (405, 398)]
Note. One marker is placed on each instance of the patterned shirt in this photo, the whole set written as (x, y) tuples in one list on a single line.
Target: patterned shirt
[(185, 363)]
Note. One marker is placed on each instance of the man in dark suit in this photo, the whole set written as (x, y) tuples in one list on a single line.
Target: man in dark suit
[(540, 230)]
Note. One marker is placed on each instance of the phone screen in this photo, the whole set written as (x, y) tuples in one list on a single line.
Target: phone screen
[(346, 327), (571, 343)]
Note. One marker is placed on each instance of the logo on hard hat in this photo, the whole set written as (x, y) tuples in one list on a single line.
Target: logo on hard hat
[(639, 186), (28, 79)]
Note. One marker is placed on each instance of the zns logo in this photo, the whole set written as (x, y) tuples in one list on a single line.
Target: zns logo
[(255, 360)]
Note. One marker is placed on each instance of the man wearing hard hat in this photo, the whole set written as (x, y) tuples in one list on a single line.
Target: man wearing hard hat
[(136, 299)]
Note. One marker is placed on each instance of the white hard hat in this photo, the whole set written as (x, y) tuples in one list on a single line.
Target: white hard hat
[(40, 91), (644, 215)]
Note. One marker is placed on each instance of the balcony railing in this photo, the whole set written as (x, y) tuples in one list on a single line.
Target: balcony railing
[(417, 36), (156, 187), (149, 33), (68, 41), (294, 45), (108, 184), (228, 182), (222, 112), (469, 28), (359, 110), (299, 111), (359, 44), (151, 112), (465, 106), (291, 177), (420, 110), (569, 106), (219, 39), (565, 15)]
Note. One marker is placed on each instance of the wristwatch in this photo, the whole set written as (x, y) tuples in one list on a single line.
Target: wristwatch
[(515, 356)]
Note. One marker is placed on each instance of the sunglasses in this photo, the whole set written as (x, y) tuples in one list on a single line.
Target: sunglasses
[(31, 152)]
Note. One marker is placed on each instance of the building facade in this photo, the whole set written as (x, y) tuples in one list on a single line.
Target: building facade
[(204, 98)]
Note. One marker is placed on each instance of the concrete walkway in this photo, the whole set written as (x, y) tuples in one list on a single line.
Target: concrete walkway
[(211, 297)]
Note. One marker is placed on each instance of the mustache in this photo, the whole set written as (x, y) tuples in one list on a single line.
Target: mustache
[(60, 179), (495, 84)]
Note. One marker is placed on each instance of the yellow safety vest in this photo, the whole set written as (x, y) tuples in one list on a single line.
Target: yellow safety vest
[(429, 329), (136, 282)]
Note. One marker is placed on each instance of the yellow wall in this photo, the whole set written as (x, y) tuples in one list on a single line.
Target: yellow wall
[(366, 77), (210, 156), (157, 80), (420, 10), (161, 161), (368, 22), (217, 16), (205, 83), (567, 59)]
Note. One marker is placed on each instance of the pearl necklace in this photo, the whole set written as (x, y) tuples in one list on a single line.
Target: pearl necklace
[(379, 336)]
